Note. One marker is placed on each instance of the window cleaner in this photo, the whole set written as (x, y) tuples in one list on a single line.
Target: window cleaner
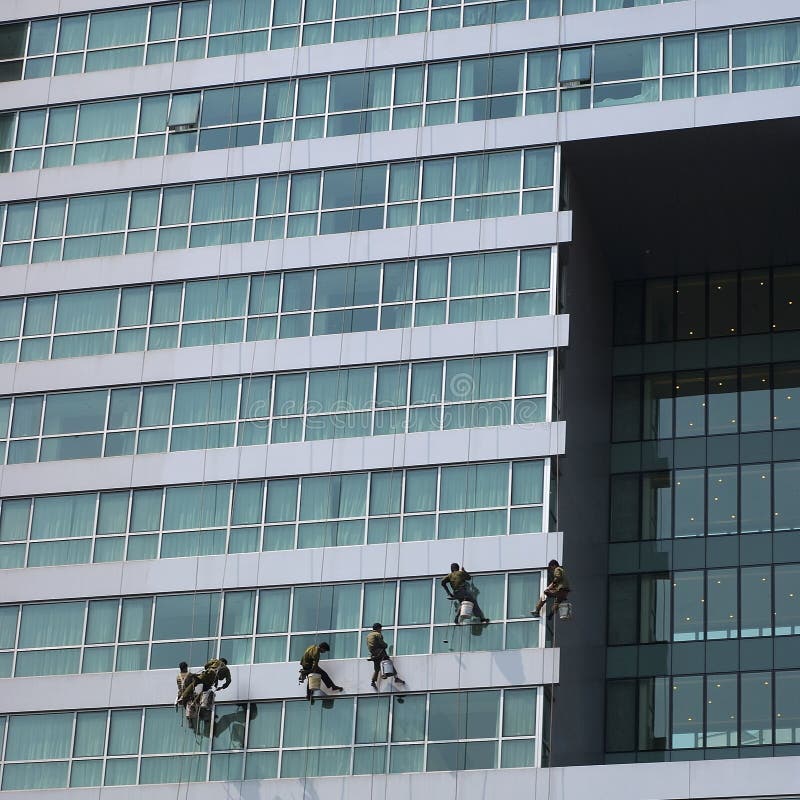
[(379, 656), (182, 677), (311, 671), (461, 591), (199, 705), (558, 588), (214, 671)]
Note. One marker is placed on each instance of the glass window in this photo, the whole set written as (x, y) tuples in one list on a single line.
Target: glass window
[(38, 736), (408, 719), (63, 516), (465, 715), (689, 502), (186, 616), (97, 213), (721, 711), (787, 707), (722, 500), (722, 604), (765, 44), (51, 624), (786, 514), (687, 712), (86, 311), (75, 412), (576, 66), (689, 600), (626, 60), (712, 50)]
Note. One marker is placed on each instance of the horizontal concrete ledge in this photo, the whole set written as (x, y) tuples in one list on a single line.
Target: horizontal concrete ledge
[(313, 352), (388, 244), (364, 54), (21, 9), (493, 669), (281, 568), (282, 158), (674, 115), (690, 780), (533, 440)]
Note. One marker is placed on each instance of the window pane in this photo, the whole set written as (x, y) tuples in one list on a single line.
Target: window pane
[(51, 624)]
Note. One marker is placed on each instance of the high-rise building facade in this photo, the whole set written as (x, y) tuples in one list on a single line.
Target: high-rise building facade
[(303, 300)]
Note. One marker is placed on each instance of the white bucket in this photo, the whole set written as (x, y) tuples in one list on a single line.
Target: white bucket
[(314, 682), (207, 699), (465, 610), (387, 668), (191, 709), (565, 611)]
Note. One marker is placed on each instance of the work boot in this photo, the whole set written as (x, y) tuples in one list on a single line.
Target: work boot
[(337, 689), (485, 621), (373, 684), (400, 681)]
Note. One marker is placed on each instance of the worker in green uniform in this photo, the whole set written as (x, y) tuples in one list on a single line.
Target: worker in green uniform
[(557, 587), (378, 652), (309, 665), (456, 584), (181, 678), (214, 671)]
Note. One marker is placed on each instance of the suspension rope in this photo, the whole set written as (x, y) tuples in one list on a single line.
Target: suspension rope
[(337, 408), (405, 331)]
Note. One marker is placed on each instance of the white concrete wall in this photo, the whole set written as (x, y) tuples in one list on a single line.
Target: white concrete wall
[(763, 778)]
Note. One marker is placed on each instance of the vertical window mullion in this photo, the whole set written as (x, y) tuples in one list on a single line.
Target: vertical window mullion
[(117, 630), (141, 741), (40, 435), (161, 519)]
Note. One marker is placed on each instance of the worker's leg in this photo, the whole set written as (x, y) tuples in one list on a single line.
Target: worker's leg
[(561, 597), (326, 679), (476, 609), (466, 594), (541, 603), (189, 686), (377, 672)]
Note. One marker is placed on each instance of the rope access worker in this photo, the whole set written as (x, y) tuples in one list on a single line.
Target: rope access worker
[(377, 647), (182, 676), (213, 672), (309, 665), (557, 587), (458, 581)]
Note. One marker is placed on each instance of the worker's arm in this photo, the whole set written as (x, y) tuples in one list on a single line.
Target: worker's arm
[(466, 574), (445, 585), (227, 682)]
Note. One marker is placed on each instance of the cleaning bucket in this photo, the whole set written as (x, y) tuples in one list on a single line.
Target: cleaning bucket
[(465, 610), (314, 682), (565, 611), (387, 668)]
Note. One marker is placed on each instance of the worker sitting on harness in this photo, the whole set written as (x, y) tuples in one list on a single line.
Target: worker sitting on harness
[(213, 672), (459, 589), (309, 665), (182, 676), (377, 647), (557, 587)]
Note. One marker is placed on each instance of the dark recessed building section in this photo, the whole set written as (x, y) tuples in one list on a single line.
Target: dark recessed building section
[(682, 388)]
